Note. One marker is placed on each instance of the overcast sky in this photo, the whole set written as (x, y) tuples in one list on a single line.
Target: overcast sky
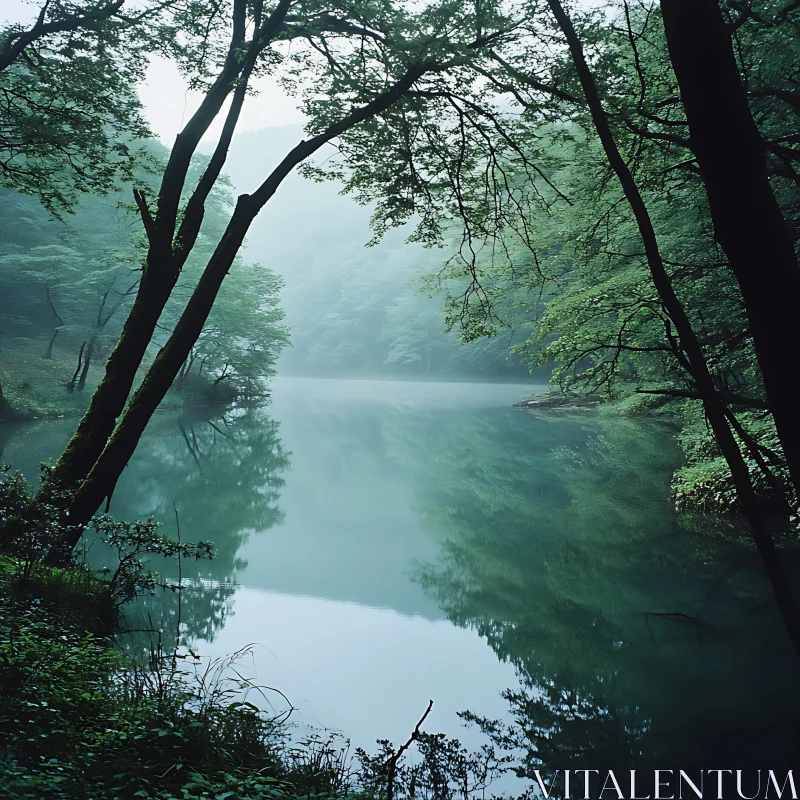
[(168, 103), (165, 97)]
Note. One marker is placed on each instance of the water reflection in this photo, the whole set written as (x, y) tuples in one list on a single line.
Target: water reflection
[(430, 541), (216, 476), (635, 640), (219, 479)]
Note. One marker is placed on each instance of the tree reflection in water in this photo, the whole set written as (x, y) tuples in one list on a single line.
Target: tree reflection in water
[(639, 638), (221, 477)]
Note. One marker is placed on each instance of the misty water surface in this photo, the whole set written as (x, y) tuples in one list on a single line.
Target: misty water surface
[(381, 544)]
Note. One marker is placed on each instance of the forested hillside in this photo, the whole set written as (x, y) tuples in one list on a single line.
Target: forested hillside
[(68, 282), (353, 310)]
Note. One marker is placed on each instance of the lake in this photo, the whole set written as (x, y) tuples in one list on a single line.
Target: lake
[(382, 543)]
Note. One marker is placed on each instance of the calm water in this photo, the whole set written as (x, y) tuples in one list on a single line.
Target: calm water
[(381, 544)]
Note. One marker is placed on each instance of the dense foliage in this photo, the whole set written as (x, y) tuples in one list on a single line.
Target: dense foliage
[(71, 115), (573, 265), (484, 142), (67, 286)]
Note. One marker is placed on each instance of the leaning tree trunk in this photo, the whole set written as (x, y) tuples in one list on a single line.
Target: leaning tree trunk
[(109, 398), (101, 480), (748, 222), (168, 249), (688, 350)]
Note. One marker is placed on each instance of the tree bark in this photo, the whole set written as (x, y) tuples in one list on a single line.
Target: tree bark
[(688, 349), (748, 222), (109, 398)]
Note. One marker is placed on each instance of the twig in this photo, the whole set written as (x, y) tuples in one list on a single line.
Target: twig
[(396, 757)]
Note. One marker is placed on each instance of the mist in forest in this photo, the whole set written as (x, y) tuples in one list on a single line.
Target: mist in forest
[(356, 310)]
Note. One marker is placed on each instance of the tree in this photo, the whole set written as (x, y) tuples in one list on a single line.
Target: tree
[(53, 19), (748, 222), (71, 116), (235, 353), (66, 280), (397, 51), (67, 285), (446, 173), (685, 344)]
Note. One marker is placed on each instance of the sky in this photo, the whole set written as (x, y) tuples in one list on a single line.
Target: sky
[(167, 101)]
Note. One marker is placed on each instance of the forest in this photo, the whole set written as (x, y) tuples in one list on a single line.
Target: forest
[(206, 335)]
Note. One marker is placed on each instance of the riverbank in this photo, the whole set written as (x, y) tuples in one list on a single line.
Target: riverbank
[(545, 404), (82, 718), (79, 718), (703, 482), (34, 388)]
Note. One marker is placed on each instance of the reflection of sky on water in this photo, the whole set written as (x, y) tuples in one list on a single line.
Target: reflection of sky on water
[(368, 672)]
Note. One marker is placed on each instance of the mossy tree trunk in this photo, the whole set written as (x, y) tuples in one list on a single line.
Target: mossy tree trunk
[(171, 237), (109, 398), (101, 480)]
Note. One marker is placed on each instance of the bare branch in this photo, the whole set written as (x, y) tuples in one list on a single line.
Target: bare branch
[(392, 764), (732, 399)]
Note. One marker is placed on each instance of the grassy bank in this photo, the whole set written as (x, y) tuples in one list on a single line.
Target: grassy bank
[(84, 713), (80, 718)]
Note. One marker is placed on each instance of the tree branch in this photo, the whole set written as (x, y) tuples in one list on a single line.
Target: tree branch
[(18, 42), (144, 211), (733, 399), (392, 764)]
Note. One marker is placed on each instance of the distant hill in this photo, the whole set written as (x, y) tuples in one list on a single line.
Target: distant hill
[(353, 311)]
